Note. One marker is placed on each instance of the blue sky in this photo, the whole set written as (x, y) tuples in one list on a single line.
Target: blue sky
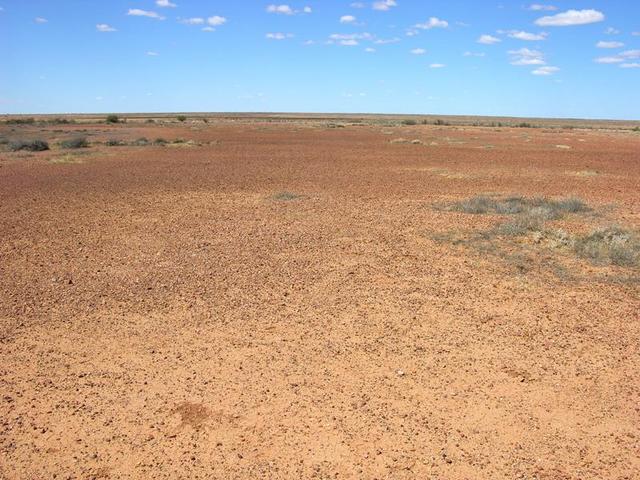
[(468, 57)]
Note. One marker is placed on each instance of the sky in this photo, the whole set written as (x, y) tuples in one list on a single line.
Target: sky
[(563, 59)]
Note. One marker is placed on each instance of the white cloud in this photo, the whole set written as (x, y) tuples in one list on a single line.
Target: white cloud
[(545, 71), (473, 54), (281, 9), (526, 57), (153, 54), (437, 65), (357, 5), (418, 51), (347, 19), (630, 54), (570, 18), (193, 21), (384, 5), (488, 40), (208, 29), (370, 50), (386, 41), (612, 31), (278, 36), (609, 44), (165, 4), (607, 60), (520, 35), (630, 65), (103, 27), (216, 21), (536, 7), (41, 20), (307, 10), (136, 12), (433, 22)]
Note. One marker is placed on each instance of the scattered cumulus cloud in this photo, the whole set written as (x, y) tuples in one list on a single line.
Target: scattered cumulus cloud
[(103, 27), (370, 50), (153, 54), (278, 36), (612, 31), (545, 71), (536, 7), (531, 37), (609, 44), (621, 58), (474, 54), (41, 20), (630, 65), (570, 18), (488, 40), (418, 51), (165, 4), (437, 65), (281, 9), (357, 5), (433, 22), (216, 21), (193, 21), (526, 57), (136, 12), (347, 19), (384, 5)]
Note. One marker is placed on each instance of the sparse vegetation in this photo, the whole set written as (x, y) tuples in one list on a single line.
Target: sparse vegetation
[(409, 121), (550, 209), (441, 122), (114, 142), (181, 118), (160, 141), (21, 121), (77, 142), (613, 245), (636, 129), (286, 196), (113, 119), (141, 142), (29, 145)]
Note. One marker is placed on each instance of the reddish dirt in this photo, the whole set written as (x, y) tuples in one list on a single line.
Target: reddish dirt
[(165, 314)]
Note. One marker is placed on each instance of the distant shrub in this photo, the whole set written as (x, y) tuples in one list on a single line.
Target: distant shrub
[(181, 118), (441, 122), (150, 120), (113, 119), (77, 142), (160, 141), (61, 121), (141, 142), (286, 196), (550, 209), (612, 245), (30, 145), (636, 129), (524, 125), (409, 121), (114, 142), (21, 121)]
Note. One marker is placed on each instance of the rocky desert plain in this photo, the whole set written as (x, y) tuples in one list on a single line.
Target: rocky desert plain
[(273, 297)]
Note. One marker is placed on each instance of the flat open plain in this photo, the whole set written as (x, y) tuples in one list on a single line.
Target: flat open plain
[(290, 300)]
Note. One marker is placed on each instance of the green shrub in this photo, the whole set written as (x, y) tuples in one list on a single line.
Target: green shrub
[(160, 141), (409, 121), (30, 145), (141, 142), (181, 118), (77, 142), (113, 142), (112, 119)]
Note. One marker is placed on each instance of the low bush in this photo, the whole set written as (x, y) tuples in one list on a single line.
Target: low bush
[(160, 141), (113, 119), (409, 121), (141, 142), (181, 118), (612, 245), (30, 145), (77, 142), (114, 142), (21, 121)]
